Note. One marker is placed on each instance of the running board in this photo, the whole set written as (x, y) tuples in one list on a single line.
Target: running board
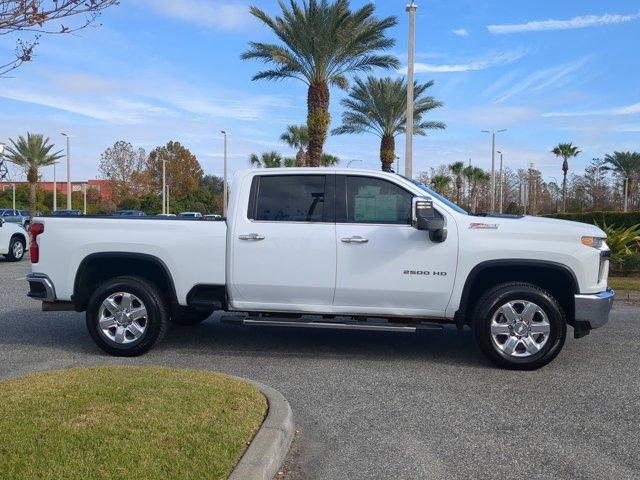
[(334, 325)]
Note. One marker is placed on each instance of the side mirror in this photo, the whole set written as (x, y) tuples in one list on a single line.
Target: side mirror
[(424, 217)]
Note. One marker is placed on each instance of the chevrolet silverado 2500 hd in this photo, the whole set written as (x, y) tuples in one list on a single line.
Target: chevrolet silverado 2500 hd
[(326, 248)]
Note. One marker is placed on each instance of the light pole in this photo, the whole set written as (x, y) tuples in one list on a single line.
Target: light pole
[(68, 169), (500, 188), (224, 187), (493, 165), (13, 188), (164, 185), (355, 160), (84, 198), (408, 155), (55, 188)]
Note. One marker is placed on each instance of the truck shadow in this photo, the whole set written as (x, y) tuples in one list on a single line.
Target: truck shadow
[(66, 332)]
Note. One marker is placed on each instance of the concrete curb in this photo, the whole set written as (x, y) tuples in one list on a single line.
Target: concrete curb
[(266, 452), (628, 295)]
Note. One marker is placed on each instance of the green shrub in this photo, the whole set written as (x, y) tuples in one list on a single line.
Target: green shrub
[(614, 219), (622, 242), (631, 263)]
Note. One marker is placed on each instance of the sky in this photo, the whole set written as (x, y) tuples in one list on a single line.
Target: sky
[(160, 70)]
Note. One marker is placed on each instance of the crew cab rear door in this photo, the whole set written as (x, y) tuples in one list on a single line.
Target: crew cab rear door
[(283, 254), (384, 265)]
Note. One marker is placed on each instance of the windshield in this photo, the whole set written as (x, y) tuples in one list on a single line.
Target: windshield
[(439, 197)]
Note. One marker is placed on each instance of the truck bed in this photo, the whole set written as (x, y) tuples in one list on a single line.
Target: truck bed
[(192, 250)]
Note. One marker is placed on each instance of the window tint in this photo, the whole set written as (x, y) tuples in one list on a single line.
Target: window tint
[(290, 198), (371, 200)]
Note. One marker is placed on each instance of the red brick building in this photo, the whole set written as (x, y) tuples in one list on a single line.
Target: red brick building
[(101, 186)]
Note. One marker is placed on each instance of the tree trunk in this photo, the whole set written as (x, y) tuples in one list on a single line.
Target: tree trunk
[(458, 188), (301, 158), (317, 120), (387, 152), (32, 177)]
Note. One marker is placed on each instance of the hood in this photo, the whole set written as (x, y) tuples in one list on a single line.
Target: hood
[(531, 224)]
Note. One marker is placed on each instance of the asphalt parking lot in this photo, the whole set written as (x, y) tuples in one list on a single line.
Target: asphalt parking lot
[(391, 405)]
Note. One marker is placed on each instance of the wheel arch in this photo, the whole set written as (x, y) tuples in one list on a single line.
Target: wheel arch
[(99, 267), (558, 279)]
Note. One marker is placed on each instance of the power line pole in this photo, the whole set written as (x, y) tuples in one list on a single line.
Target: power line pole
[(164, 185), (408, 162), (500, 202)]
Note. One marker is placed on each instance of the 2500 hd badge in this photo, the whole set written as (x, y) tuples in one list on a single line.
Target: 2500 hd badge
[(424, 272)]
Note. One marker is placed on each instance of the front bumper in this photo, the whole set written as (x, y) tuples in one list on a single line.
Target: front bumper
[(41, 287), (593, 309)]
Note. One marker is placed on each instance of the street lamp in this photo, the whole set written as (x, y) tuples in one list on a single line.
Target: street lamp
[(355, 160), (501, 182), (224, 192), (164, 185), (408, 162), (84, 198), (493, 165), (68, 169)]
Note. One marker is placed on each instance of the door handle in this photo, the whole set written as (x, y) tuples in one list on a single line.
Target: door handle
[(251, 236), (356, 239)]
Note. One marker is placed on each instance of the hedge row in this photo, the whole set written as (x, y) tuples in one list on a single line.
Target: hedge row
[(612, 219)]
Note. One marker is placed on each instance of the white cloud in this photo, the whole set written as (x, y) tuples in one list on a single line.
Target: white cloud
[(461, 32), (617, 111), (541, 80), (220, 15), (483, 63), (576, 22)]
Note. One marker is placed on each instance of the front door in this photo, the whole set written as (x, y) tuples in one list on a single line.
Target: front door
[(383, 263), (284, 251)]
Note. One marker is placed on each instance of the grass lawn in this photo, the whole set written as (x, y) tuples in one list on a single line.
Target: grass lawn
[(126, 423), (624, 283)]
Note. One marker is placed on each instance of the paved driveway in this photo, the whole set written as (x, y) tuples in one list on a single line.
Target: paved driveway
[(391, 405)]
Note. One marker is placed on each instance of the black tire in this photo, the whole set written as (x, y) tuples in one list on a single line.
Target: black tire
[(189, 316), (11, 256), (156, 321), (496, 298)]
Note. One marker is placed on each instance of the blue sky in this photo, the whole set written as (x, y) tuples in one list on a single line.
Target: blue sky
[(159, 70)]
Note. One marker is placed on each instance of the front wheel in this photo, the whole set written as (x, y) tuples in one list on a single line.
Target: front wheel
[(126, 316), (519, 326)]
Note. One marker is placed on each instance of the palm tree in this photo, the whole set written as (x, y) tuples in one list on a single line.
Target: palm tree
[(32, 153), (625, 164), (328, 160), (297, 137), (440, 183), (270, 159), (457, 170), (476, 177), (379, 106), (566, 151), (321, 43)]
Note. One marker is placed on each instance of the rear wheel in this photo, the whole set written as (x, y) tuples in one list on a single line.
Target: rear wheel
[(189, 316), (519, 326), (16, 250), (126, 316)]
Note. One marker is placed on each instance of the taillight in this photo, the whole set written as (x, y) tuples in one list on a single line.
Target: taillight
[(35, 229)]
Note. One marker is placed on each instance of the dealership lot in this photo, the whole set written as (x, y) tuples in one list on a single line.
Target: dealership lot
[(382, 405)]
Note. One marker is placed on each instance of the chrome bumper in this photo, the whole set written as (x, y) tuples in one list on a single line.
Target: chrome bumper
[(41, 287), (594, 308)]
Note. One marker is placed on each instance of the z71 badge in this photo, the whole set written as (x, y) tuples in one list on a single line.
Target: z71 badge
[(483, 226)]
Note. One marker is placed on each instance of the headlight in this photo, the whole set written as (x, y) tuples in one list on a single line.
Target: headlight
[(595, 242)]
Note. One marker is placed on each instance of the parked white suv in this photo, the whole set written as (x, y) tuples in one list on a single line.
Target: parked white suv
[(14, 240), (342, 245)]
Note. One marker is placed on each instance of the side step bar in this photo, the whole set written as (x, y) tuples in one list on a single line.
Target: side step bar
[(387, 327)]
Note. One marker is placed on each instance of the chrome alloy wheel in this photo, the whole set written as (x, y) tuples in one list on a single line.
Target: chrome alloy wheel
[(519, 328), (122, 318), (18, 250)]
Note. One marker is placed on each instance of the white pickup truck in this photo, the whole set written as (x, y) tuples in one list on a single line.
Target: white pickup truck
[(327, 248), (14, 240)]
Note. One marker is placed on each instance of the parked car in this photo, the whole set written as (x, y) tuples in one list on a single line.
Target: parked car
[(190, 215), (167, 215), (68, 213), (129, 213), (20, 217), (212, 217), (342, 245), (14, 240)]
